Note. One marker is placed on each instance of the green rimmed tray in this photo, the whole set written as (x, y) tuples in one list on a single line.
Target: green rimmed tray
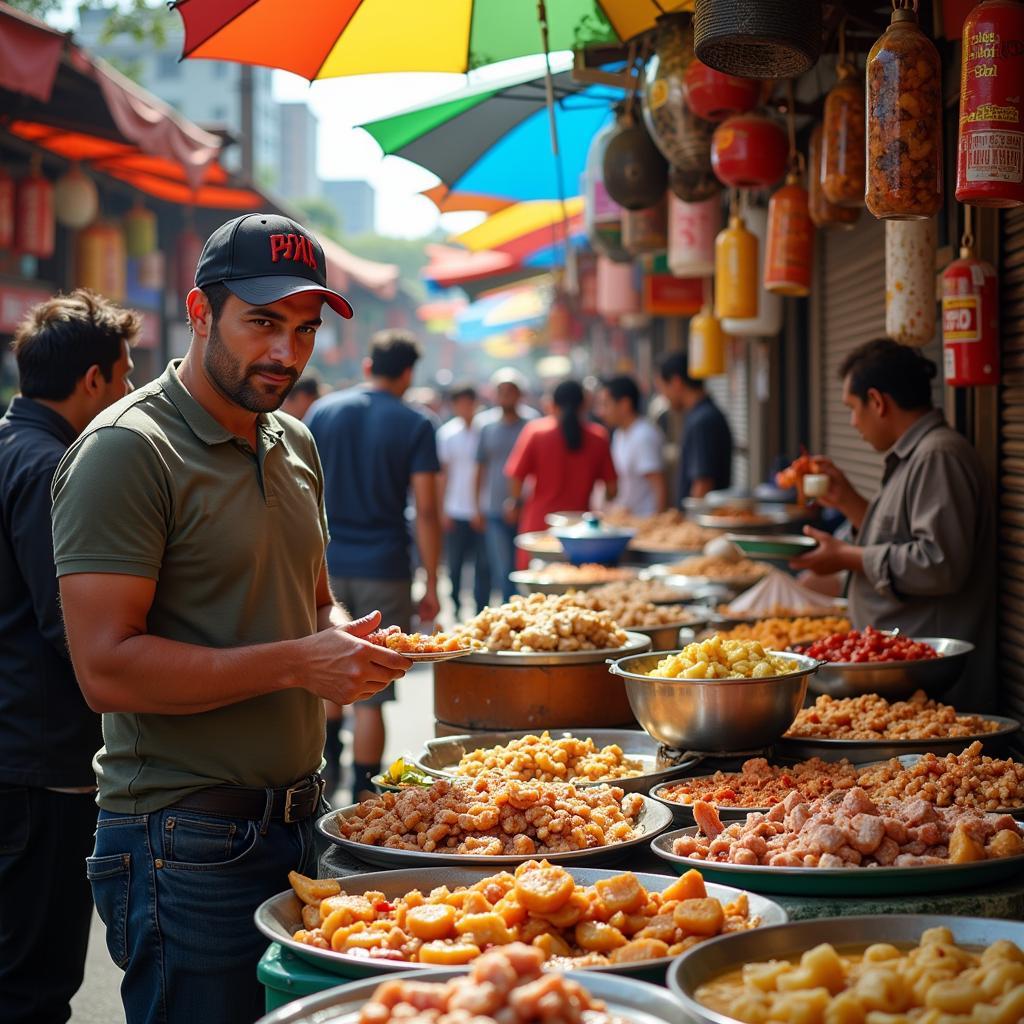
[(776, 546)]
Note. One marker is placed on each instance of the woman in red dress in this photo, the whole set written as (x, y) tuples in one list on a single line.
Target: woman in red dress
[(563, 456)]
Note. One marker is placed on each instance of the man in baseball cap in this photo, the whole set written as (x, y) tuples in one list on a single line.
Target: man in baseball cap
[(189, 539)]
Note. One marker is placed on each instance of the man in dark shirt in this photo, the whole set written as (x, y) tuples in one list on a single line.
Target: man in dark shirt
[(705, 460), (73, 361), (375, 448)]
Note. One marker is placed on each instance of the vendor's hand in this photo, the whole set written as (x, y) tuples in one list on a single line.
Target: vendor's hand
[(478, 523), (340, 665), (429, 607), (510, 510), (841, 493), (831, 555)]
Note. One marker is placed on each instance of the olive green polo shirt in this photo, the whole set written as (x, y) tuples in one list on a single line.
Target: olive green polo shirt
[(235, 540)]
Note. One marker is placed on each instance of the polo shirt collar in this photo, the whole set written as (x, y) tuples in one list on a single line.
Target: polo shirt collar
[(27, 410), (912, 438), (199, 421)]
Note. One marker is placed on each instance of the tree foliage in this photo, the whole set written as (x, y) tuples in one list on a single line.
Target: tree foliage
[(144, 21)]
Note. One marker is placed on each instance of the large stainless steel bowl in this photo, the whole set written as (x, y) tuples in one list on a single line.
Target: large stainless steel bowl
[(714, 715), (719, 956), (896, 679)]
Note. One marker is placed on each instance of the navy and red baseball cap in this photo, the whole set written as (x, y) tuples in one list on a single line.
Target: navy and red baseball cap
[(263, 258)]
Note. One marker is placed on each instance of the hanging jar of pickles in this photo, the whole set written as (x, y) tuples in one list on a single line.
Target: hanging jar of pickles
[(843, 141), (904, 121), (646, 230), (823, 213), (910, 301), (736, 283)]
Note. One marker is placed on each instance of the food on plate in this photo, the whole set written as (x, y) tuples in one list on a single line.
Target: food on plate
[(405, 773), (632, 614), (545, 542), (777, 634), (848, 830), (543, 622), (870, 717), (615, 920), (936, 982), (781, 611), (640, 591), (506, 985), (492, 816), (740, 513), (541, 758), (718, 568), (967, 779), (868, 645), (716, 658), (667, 531), (419, 643), (588, 572)]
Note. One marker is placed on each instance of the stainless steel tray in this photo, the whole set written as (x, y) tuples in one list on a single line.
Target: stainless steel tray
[(636, 644), (441, 756), (765, 521), (842, 881), (653, 818), (788, 941), (279, 917), (638, 1002), (537, 581), (882, 749), (533, 545)]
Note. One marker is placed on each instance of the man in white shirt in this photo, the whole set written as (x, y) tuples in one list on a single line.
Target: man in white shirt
[(636, 448), (457, 444)]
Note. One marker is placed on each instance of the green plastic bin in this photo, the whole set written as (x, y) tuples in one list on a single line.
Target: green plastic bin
[(285, 977)]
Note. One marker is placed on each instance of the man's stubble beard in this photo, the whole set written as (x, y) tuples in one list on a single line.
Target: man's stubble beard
[(227, 376)]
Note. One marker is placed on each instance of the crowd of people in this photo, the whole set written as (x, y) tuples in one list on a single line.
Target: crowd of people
[(189, 576)]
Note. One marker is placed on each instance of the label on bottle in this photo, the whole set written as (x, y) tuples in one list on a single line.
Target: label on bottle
[(995, 156)]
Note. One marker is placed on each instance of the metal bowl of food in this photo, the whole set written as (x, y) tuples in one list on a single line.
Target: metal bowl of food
[(558, 579), (670, 635), (714, 715), (896, 679)]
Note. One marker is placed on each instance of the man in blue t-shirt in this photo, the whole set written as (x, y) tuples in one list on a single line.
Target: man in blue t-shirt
[(705, 459), (374, 449)]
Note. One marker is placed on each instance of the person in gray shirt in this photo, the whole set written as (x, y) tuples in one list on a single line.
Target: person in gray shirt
[(499, 429), (922, 557)]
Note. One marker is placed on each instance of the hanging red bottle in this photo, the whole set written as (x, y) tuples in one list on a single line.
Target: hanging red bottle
[(970, 322), (990, 153)]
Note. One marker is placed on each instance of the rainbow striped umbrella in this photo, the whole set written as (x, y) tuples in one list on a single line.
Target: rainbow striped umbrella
[(329, 38)]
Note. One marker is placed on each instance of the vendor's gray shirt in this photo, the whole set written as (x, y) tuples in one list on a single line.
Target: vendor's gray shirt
[(929, 550)]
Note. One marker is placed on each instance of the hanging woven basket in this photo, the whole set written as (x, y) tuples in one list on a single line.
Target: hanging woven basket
[(758, 38)]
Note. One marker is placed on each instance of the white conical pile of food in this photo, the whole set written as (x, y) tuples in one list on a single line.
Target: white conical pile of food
[(776, 591)]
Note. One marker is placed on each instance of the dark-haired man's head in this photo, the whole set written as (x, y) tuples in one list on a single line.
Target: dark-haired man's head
[(681, 390), (73, 353), (887, 387), (618, 401), (393, 356), (463, 401)]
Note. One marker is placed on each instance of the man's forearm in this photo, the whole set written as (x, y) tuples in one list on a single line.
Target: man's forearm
[(854, 510), (332, 614)]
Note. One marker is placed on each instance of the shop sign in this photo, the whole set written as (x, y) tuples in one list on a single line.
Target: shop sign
[(668, 295)]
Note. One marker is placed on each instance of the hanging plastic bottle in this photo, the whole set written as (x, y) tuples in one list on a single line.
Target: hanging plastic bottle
[(691, 236), (910, 302), (768, 321), (904, 121), (843, 141), (706, 345), (823, 213), (990, 152), (736, 281)]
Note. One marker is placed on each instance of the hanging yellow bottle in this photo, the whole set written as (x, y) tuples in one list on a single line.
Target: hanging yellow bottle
[(736, 283), (706, 348)]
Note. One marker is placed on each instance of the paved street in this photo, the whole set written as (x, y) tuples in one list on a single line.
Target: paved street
[(409, 722)]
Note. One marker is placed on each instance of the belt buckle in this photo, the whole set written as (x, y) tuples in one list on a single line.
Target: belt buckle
[(299, 790)]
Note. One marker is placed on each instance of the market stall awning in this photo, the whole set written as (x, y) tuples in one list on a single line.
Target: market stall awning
[(448, 201), (30, 53), (526, 228), (345, 268), (449, 267), (524, 306)]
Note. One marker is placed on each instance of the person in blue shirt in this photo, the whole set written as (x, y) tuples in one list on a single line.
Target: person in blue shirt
[(375, 448), (705, 460)]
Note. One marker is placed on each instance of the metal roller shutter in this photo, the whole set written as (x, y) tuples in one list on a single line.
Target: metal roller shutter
[(1011, 464), (731, 394), (852, 311)]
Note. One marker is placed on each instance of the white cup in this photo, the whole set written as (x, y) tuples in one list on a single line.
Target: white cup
[(816, 484)]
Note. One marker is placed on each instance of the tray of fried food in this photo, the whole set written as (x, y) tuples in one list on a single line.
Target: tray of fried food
[(923, 968), (815, 847), (869, 727), (493, 820), (428, 647), (581, 918), (778, 633), (723, 569), (668, 532), (838, 610), (653, 590), (630, 613), (627, 757)]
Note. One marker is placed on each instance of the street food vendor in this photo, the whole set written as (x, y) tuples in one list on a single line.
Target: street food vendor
[(922, 557)]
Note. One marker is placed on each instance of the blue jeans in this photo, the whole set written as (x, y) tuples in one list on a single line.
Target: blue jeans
[(177, 890), (501, 552), (465, 543)]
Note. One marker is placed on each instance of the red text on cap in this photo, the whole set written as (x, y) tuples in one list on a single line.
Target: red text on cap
[(292, 247)]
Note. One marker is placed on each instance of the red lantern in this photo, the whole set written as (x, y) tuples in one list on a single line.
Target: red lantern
[(970, 322), (7, 207), (789, 250), (749, 151), (186, 259), (990, 154), (34, 224), (101, 261), (715, 96)]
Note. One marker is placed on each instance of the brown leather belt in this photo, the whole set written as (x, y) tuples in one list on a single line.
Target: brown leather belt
[(296, 803)]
